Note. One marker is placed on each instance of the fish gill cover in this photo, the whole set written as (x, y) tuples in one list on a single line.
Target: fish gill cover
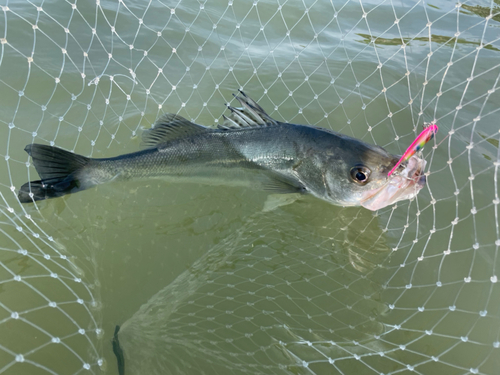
[(203, 279)]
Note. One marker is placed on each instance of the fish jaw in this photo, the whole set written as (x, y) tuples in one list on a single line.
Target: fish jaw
[(399, 186)]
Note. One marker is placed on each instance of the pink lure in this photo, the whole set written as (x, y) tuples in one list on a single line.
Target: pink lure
[(424, 137)]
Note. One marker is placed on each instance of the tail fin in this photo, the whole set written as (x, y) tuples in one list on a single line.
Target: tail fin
[(60, 173)]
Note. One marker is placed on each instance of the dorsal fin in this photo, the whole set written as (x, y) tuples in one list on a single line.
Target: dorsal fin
[(250, 115), (168, 127)]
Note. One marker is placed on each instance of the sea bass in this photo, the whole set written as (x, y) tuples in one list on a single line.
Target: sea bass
[(249, 148)]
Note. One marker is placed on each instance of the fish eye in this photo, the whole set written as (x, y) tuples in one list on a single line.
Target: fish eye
[(360, 174)]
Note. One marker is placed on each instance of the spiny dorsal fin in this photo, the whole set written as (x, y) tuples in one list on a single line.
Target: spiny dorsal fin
[(250, 115), (168, 127)]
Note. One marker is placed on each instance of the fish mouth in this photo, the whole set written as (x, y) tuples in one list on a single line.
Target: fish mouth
[(400, 185)]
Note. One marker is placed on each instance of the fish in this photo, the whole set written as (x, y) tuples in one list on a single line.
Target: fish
[(249, 148)]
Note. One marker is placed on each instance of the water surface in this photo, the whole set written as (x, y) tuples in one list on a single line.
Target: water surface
[(200, 278)]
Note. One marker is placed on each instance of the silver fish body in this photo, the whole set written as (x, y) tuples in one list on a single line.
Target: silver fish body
[(249, 148)]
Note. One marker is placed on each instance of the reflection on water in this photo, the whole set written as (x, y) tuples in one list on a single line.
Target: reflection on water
[(439, 39), (263, 295), (484, 11)]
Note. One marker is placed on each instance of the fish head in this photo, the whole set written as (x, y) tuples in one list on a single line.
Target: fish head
[(404, 183), (364, 179)]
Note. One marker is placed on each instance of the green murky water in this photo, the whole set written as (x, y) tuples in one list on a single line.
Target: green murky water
[(203, 280)]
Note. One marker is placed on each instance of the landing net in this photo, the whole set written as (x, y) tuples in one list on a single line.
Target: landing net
[(304, 288)]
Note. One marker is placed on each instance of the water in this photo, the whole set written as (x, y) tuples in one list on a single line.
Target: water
[(200, 278)]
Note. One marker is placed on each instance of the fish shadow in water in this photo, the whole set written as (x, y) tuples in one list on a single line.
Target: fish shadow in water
[(304, 272)]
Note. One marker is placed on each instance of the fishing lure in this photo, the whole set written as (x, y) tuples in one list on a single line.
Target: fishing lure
[(424, 137)]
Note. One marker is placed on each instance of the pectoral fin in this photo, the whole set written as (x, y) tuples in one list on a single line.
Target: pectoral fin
[(284, 185), (274, 201)]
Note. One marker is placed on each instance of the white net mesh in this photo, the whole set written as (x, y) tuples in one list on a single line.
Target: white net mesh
[(202, 279)]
